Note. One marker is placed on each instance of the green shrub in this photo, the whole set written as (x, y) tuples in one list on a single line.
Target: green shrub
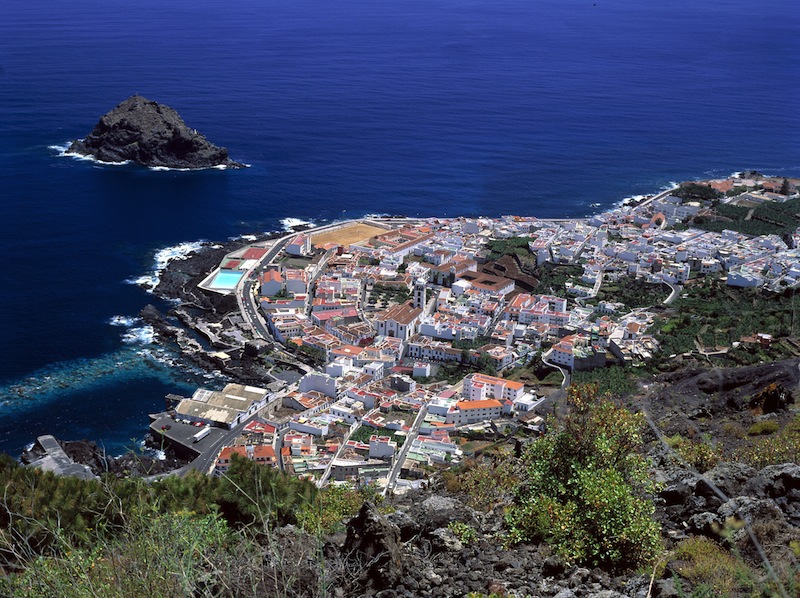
[(466, 534), (483, 483), (332, 506), (513, 246), (583, 487), (779, 447), (733, 429), (614, 380), (763, 428), (166, 555), (697, 453)]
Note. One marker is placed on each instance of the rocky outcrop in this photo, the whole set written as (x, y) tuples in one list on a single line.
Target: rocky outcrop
[(413, 552), (149, 133), (374, 543), (129, 464)]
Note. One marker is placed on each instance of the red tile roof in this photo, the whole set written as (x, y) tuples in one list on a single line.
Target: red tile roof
[(271, 276), (263, 451)]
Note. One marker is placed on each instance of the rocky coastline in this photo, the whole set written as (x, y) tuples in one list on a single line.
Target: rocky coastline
[(151, 134), (130, 464), (196, 325)]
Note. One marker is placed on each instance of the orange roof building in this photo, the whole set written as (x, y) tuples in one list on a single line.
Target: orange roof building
[(470, 412)]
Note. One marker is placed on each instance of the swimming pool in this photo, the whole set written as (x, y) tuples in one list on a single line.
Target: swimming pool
[(226, 279)]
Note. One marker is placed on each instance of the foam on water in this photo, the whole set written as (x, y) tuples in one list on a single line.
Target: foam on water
[(62, 151), (169, 169), (632, 199), (162, 258), (143, 335), (289, 224), (123, 320), (174, 362), (153, 453)]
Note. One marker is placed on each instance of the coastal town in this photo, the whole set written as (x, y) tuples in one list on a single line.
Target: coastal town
[(393, 347)]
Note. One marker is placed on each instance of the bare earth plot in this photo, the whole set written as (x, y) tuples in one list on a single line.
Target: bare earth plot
[(347, 235)]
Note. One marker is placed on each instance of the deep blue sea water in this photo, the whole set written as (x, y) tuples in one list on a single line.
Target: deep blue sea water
[(342, 108)]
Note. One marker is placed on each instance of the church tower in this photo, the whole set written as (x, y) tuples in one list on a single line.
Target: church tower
[(419, 293)]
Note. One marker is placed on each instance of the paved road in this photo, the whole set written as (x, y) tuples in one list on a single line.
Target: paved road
[(248, 307), (401, 457), (657, 197), (59, 462), (248, 303), (204, 463), (564, 372), (676, 291), (324, 479)]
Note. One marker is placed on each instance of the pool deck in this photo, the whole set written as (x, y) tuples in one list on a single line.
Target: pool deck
[(208, 282)]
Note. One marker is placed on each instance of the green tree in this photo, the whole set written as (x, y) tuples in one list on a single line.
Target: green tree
[(584, 487), (255, 494), (696, 191), (486, 365)]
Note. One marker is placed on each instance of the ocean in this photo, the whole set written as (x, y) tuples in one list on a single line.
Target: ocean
[(435, 107)]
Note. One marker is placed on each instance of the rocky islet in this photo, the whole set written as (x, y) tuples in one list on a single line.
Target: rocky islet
[(152, 134)]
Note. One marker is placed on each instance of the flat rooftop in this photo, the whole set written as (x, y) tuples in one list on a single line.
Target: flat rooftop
[(178, 433)]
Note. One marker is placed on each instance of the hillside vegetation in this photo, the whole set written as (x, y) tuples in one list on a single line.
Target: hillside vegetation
[(765, 219), (597, 503)]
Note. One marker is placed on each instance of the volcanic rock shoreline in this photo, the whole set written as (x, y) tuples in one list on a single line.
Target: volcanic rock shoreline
[(151, 134), (198, 310)]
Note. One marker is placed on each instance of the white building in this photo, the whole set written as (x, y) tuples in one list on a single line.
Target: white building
[(381, 447), (300, 245), (470, 412), (348, 409), (339, 367), (226, 408), (319, 382), (399, 321), (479, 387)]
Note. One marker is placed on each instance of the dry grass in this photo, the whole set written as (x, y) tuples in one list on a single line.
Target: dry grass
[(352, 233)]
